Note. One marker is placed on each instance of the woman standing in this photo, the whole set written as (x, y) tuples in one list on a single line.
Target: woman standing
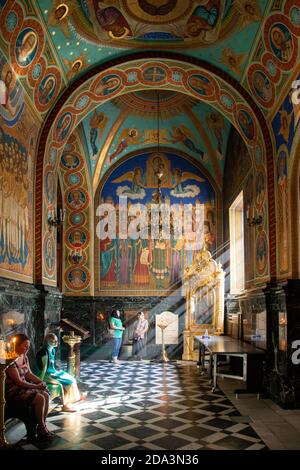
[(24, 388), (117, 327), (140, 329)]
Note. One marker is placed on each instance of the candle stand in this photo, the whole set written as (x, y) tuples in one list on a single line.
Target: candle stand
[(163, 356), (71, 340)]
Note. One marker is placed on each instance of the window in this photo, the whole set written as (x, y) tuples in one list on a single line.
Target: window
[(237, 267)]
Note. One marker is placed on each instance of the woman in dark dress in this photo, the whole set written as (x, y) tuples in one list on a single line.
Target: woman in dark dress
[(24, 388)]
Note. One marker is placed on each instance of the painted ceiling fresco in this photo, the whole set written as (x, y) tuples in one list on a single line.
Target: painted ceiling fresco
[(51, 42), (130, 122), (88, 32)]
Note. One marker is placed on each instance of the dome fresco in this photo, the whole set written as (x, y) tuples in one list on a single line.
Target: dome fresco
[(89, 84), (93, 31)]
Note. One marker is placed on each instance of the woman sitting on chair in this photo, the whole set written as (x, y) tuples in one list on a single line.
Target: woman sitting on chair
[(23, 388), (59, 382)]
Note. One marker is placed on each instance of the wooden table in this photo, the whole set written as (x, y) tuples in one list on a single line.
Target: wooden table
[(252, 358)]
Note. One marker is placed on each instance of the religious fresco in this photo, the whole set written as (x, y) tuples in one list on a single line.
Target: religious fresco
[(13, 103), (106, 27), (18, 137), (30, 56), (283, 204), (139, 127), (147, 75), (135, 265), (19, 127), (285, 124), (144, 21), (261, 253), (238, 164), (276, 54), (26, 47), (250, 177), (139, 75), (73, 168), (205, 26)]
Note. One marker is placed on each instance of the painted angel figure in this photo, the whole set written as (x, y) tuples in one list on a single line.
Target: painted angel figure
[(137, 184), (59, 14), (249, 12), (97, 123), (177, 180), (127, 137), (184, 135)]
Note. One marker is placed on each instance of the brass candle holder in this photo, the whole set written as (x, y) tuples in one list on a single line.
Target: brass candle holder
[(163, 325), (71, 340)]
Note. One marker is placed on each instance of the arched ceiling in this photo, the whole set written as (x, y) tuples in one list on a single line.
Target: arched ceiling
[(130, 122), (86, 33)]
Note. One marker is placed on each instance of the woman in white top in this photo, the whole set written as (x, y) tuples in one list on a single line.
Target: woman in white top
[(140, 329)]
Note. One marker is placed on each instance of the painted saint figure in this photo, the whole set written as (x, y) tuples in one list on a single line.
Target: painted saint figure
[(282, 189), (46, 90), (282, 43), (215, 123), (26, 47), (203, 19), (96, 123), (176, 260), (125, 248)]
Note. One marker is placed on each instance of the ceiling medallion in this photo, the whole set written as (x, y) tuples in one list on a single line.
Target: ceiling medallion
[(158, 11)]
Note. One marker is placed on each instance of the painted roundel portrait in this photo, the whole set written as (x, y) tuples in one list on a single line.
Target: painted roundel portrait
[(77, 199), (47, 89), (26, 47), (246, 124), (49, 254), (77, 238), (262, 86), (201, 85), (77, 278), (108, 85), (261, 252), (281, 42), (70, 161), (63, 126)]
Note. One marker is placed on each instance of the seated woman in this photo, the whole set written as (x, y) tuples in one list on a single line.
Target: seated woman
[(59, 382), (23, 388)]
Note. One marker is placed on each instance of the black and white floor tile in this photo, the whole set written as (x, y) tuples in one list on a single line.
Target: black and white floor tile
[(150, 406)]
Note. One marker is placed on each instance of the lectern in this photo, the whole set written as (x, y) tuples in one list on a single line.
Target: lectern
[(73, 337)]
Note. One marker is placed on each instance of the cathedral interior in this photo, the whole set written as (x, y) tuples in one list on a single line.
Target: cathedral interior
[(107, 107)]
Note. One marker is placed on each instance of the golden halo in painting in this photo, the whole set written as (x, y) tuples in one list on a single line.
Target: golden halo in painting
[(158, 11)]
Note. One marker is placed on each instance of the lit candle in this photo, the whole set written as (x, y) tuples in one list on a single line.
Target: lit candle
[(14, 346), (8, 350), (2, 351)]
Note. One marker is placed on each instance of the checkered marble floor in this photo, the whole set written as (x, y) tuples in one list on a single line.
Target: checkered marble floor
[(150, 406)]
